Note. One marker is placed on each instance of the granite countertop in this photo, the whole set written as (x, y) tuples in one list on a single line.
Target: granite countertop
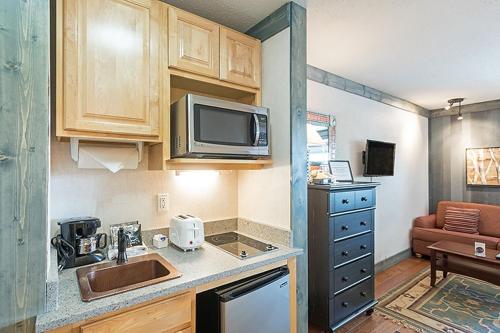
[(199, 267)]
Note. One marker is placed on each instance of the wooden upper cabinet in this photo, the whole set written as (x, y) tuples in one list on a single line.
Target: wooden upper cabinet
[(193, 43), (110, 67), (239, 58)]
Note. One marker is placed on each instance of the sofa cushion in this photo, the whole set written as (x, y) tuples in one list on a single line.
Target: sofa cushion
[(436, 235), (461, 220), (489, 218)]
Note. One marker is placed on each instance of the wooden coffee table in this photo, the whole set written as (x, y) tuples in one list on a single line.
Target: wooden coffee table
[(459, 258)]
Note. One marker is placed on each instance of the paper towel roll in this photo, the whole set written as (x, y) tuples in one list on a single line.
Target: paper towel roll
[(112, 158)]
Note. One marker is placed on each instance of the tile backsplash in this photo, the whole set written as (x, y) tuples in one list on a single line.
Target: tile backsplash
[(131, 195)]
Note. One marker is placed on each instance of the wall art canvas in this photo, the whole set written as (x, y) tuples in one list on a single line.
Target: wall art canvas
[(483, 166)]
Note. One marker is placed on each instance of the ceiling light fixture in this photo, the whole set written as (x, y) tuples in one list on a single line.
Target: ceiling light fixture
[(453, 101)]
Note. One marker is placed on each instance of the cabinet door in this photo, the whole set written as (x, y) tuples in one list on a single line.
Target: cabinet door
[(193, 43), (111, 66), (168, 316), (239, 58), (186, 330)]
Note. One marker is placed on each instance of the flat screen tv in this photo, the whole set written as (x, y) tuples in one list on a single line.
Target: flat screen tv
[(379, 158)]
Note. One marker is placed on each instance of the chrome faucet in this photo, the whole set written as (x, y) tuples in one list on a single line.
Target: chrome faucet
[(123, 242)]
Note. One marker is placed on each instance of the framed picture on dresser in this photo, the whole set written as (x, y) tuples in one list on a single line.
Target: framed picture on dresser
[(341, 170)]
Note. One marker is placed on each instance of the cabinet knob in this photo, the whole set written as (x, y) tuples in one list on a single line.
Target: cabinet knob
[(364, 270), (345, 278), (345, 227), (364, 199), (345, 201), (363, 293), (363, 247), (345, 253), (345, 304), (363, 223)]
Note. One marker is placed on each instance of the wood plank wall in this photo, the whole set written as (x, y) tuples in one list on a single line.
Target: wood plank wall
[(24, 160), (448, 138)]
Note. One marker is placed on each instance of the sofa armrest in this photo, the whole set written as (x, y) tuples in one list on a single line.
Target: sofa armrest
[(428, 221)]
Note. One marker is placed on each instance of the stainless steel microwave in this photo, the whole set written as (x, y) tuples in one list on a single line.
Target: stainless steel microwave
[(205, 127)]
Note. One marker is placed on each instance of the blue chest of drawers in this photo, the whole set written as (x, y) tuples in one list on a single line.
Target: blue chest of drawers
[(341, 222)]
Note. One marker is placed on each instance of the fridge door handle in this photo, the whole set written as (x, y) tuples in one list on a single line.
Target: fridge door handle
[(249, 286)]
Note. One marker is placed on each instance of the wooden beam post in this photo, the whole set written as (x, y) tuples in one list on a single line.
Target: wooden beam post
[(293, 16), (24, 160), (298, 153)]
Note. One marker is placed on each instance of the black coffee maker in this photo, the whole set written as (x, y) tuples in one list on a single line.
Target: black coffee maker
[(79, 243)]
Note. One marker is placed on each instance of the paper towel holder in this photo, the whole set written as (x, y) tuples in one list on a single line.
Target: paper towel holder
[(75, 142)]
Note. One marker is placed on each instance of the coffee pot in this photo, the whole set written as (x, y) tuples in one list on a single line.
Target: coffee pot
[(79, 243)]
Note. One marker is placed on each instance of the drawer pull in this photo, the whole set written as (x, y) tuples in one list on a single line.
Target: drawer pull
[(345, 304), (363, 293), (345, 253), (364, 199), (363, 247), (363, 223), (345, 201), (345, 227), (345, 278), (364, 270)]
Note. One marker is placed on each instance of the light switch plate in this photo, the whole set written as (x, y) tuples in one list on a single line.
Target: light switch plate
[(163, 202)]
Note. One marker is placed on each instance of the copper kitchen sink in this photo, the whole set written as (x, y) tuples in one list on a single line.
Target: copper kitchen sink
[(108, 279)]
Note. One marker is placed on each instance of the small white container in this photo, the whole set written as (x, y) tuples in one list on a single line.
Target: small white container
[(160, 241)]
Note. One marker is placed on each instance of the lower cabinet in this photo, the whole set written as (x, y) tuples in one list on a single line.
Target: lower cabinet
[(186, 330), (175, 314)]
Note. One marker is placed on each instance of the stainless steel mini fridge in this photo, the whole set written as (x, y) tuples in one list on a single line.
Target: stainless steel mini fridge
[(258, 304)]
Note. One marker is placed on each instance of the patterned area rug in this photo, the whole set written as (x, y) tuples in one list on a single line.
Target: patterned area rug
[(458, 304)]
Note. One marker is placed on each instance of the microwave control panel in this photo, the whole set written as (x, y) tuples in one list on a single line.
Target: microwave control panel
[(262, 130)]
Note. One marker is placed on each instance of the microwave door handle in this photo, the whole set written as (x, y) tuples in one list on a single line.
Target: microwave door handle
[(257, 130)]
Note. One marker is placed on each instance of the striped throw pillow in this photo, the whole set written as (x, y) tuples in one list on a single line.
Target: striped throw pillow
[(461, 220)]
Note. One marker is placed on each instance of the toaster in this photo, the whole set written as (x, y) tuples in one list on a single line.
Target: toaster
[(186, 232)]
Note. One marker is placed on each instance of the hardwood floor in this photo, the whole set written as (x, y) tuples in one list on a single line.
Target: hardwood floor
[(384, 281)]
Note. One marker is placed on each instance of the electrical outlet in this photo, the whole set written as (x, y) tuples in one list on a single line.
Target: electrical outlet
[(163, 202)]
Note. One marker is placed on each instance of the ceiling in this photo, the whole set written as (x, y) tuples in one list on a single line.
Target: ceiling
[(240, 15), (425, 51)]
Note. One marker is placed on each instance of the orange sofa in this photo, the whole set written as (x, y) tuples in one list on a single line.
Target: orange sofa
[(429, 229)]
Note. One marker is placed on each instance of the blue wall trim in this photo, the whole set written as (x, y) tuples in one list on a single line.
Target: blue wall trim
[(24, 159), (294, 16), (273, 24), (339, 82), (298, 153)]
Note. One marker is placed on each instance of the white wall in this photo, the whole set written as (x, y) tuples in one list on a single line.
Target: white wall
[(264, 195), (400, 198), (131, 194)]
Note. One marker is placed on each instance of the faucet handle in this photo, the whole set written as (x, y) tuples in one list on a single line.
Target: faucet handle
[(123, 242)]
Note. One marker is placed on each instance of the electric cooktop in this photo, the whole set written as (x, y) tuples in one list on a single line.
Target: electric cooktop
[(238, 245)]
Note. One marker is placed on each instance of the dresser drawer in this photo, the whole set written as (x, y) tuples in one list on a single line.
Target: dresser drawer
[(350, 300), (348, 275), (350, 224), (351, 249), (364, 198), (341, 201)]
